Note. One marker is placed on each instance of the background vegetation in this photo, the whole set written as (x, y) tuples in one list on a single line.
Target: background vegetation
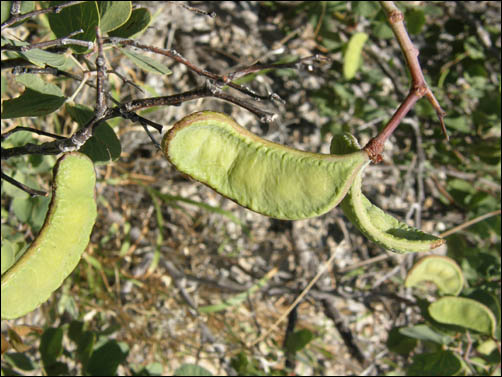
[(172, 273)]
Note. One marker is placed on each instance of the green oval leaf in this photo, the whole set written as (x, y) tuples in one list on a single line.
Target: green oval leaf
[(147, 63), (399, 342), (441, 363), (105, 360), (83, 16), (299, 340), (426, 333), (8, 253), (415, 20), (103, 146), (36, 83), (39, 98), (36, 56), (352, 58), (113, 14), (463, 312), (51, 345), (26, 7), (137, 23), (31, 104)]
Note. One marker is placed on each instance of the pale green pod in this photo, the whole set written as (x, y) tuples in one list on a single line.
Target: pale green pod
[(266, 177), (63, 238), (352, 58), (464, 312), (378, 226), (444, 272)]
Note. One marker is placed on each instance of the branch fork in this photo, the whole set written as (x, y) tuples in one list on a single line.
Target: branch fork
[(419, 87)]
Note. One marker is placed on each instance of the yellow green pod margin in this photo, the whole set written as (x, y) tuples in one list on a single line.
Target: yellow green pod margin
[(378, 226), (444, 272), (266, 177), (57, 249)]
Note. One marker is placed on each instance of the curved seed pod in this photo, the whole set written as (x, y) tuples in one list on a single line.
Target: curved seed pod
[(266, 177), (463, 312), (444, 272), (381, 228), (63, 238)]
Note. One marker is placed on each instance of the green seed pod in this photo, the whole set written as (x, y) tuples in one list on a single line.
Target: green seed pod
[(266, 177), (381, 228), (63, 238), (444, 272)]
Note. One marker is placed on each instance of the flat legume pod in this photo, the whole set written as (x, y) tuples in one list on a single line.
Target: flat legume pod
[(266, 177), (57, 249)]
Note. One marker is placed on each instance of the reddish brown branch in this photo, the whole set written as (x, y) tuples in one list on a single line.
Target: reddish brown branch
[(375, 146), (419, 87)]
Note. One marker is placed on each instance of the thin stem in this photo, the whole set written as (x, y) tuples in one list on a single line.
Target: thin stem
[(193, 9), (55, 42), (22, 186), (5, 135), (101, 77), (127, 111), (21, 17), (220, 80), (207, 90), (467, 224), (213, 87), (300, 63), (419, 87)]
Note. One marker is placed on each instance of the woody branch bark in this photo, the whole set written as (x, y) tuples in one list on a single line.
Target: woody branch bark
[(419, 87)]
